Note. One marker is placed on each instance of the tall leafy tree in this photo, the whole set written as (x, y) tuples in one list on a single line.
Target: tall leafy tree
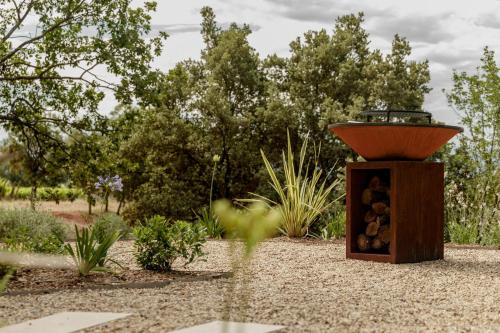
[(473, 172), (232, 103), (332, 77), (214, 106), (476, 98), (51, 77)]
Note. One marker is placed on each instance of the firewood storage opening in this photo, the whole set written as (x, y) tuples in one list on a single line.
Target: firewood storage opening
[(395, 211), (371, 213)]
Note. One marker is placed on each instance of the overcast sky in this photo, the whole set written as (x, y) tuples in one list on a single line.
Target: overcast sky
[(451, 34)]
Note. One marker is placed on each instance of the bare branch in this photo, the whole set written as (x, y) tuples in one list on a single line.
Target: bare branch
[(36, 38), (107, 85), (20, 18)]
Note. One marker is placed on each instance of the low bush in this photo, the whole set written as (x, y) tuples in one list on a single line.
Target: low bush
[(462, 233), (159, 243), (73, 194), (472, 210), (90, 254), (6, 273), (211, 223), (52, 194), (334, 228), (28, 230), (23, 193), (56, 194), (110, 223)]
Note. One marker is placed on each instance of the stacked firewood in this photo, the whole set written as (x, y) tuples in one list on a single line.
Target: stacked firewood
[(376, 199)]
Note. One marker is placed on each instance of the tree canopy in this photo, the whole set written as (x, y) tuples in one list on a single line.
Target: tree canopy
[(233, 103), (51, 78)]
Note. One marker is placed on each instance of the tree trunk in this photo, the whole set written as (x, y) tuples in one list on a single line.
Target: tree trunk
[(120, 204), (89, 200), (106, 202), (33, 197)]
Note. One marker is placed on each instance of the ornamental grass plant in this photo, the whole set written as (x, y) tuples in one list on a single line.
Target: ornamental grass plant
[(90, 254), (303, 195)]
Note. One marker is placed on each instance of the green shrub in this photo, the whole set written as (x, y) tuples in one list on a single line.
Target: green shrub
[(334, 227), (90, 254), (159, 243), (211, 224), (110, 223), (463, 233), (23, 193), (473, 210), (6, 273), (492, 236), (56, 194), (302, 198), (72, 194), (4, 187), (28, 230), (52, 194)]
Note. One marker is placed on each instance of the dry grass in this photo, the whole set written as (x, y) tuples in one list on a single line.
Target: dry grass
[(78, 205)]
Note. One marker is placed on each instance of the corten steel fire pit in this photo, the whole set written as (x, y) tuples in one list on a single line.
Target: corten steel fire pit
[(395, 200)]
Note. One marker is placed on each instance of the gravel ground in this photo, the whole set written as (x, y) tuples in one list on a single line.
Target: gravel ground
[(307, 286)]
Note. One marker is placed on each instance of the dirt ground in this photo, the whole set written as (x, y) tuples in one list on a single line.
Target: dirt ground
[(73, 212), (307, 286)]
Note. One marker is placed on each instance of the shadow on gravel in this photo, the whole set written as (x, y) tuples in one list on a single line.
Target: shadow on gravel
[(174, 277)]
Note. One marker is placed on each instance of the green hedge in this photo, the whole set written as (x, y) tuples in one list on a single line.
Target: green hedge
[(43, 193)]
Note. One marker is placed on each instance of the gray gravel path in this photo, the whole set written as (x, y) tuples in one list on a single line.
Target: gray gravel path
[(307, 286)]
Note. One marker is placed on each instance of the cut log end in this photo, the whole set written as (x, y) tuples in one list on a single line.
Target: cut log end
[(370, 216), (379, 208), (374, 183), (384, 234), (367, 197), (377, 244), (372, 228), (363, 243)]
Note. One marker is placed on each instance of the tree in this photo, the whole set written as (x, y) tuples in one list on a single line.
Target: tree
[(476, 98), (36, 161), (332, 77), (232, 103), (208, 107), (474, 173), (50, 78)]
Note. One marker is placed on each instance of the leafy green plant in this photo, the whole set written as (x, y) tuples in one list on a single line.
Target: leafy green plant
[(251, 225), (334, 228), (23, 193), (108, 224), (472, 194), (90, 254), (4, 187), (72, 195), (473, 210), (211, 223), (6, 273), (27, 230), (463, 233), (159, 243), (492, 235), (52, 194), (302, 198)]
